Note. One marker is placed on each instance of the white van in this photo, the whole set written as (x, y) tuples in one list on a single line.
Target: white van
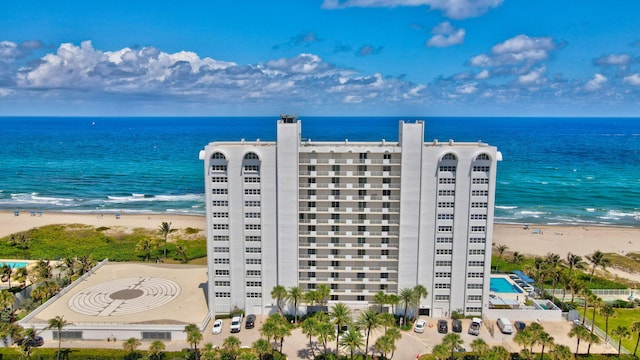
[(505, 325)]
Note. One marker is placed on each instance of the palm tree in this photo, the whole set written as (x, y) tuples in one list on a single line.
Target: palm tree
[(352, 340), (194, 337), (146, 247), (165, 229), (596, 303), (574, 262), (309, 327), (607, 312), (498, 352), (181, 253), (524, 338), (580, 333), (325, 332), (635, 328), (6, 299), (340, 315), (21, 276), (407, 299), (323, 291), (561, 352), (380, 299), (516, 257), (479, 347), (231, 346), (597, 259), (385, 345), (501, 249), (155, 349), (58, 323), (131, 345), (440, 351), (621, 332), (5, 274), (451, 342), (279, 294), (261, 347), (295, 294), (370, 320), (588, 297), (592, 339), (545, 340)]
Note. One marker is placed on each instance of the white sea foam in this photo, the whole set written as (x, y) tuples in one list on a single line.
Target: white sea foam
[(506, 207), (590, 209)]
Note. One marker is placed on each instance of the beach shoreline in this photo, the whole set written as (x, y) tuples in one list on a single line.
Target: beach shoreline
[(528, 240)]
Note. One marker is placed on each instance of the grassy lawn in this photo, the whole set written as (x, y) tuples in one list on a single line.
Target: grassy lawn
[(65, 241), (625, 317)]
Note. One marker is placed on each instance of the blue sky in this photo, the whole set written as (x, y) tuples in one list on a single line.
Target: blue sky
[(320, 57)]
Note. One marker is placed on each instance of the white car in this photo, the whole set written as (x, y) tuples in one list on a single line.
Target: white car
[(236, 324), (217, 327), (419, 327)]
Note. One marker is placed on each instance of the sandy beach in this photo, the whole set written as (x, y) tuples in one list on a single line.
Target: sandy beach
[(10, 224)]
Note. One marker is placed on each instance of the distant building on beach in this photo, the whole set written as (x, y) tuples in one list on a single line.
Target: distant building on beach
[(360, 217)]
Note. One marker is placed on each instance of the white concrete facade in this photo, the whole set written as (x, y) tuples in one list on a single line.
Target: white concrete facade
[(360, 217)]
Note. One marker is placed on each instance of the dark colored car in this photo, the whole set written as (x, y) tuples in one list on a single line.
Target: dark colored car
[(37, 341), (456, 325), (519, 325), (251, 322), (443, 327)]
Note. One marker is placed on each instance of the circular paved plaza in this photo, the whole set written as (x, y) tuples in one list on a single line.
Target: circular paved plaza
[(124, 296)]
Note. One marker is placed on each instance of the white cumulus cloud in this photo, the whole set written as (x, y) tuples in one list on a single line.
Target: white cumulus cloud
[(534, 77), (633, 79), (614, 60), (454, 9), (444, 35), (595, 83)]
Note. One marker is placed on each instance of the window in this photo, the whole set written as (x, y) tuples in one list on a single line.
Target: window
[(335, 275), (386, 217), (311, 274), (481, 168), (311, 180), (220, 237), (219, 191), (254, 283), (252, 226), (251, 179), (445, 228), (445, 216), (473, 309), (477, 240), (218, 155), (221, 261), (384, 240), (444, 204), (444, 240), (222, 272), (334, 286), (223, 294), (311, 227), (386, 168), (251, 168), (443, 274), (311, 263), (220, 203), (446, 181), (335, 204), (363, 156), (446, 192), (385, 228), (360, 275), (386, 156), (386, 192), (252, 203), (480, 192), (335, 240), (220, 215), (335, 216), (444, 252), (335, 263), (361, 252), (218, 179), (335, 227), (220, 226), (475, 275), (311, 251), (218, 167), (384, 252), (480, 181), (362, 180), (476, 251), (360, 298), (335, 167), (251, 156), (362, 205), (335, 192), (254, 250), (222, 283), (384, 275), (362, 192), (254, 295), (386, 180), (474, 298), (478, 228), (311, 204), (441, 298), (252, 238), (478, 204), (221, 249), (311, 286), (362, 228), (335, 252), (483, 157), (442, 286), (335, 298), (443, 262), (362, 240), (474, 286), (449, 156), (311, 168), (478, 217), (253, 272), (311, 240), (311, 192), (447, 168), (476, 263), (335, 180), (386, 204), (150, 335), (253, 261)]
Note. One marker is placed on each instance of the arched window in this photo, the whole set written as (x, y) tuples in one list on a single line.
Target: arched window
[(449, 156), (251, 156), (482, 157), (218, 155)]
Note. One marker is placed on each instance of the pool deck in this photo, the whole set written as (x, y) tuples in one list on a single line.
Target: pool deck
[(519, 297)]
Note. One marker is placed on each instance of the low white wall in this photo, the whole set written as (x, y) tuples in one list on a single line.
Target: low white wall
[(524, 314)]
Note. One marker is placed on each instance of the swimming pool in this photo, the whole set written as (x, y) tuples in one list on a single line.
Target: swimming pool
[(14, 264), (502, 285)]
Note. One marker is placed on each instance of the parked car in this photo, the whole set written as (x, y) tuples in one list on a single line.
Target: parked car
[(35, 342), (519, 325), (419, 326), (456, 325), (251, 322), (443, 327), (236, 324), (476, 324), (505, 325), (217, 327)]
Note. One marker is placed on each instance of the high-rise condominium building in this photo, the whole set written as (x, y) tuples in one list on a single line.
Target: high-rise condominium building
[(360, 217)]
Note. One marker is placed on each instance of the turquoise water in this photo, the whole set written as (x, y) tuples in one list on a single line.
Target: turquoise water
[(555, 170), (502, 285), (14, 264)]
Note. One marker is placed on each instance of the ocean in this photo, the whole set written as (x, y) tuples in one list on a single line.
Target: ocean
[(554, 170)]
